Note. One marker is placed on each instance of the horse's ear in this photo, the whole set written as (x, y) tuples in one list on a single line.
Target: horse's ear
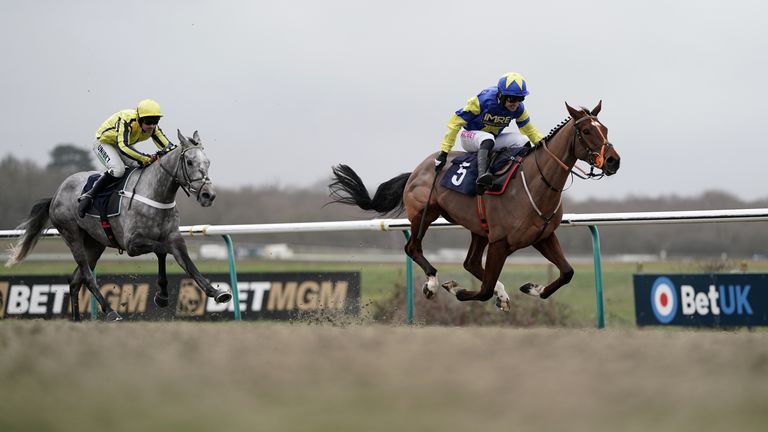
[(196, 137), (573, 112), (596, 109), (182, 139)]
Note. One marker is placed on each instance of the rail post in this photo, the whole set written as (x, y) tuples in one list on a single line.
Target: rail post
[(408, 283), (233, 276), (598, 276), (94, 304)]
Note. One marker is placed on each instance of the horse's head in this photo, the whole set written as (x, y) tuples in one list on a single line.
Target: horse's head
[(192, 170), (592, 137)]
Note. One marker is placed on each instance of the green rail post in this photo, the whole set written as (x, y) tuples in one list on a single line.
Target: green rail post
[(94, 304), (598, 277), (408, 284), (233, 276)]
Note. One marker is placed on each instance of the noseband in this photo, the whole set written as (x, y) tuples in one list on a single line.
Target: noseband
[(185, 182), (596, 159)]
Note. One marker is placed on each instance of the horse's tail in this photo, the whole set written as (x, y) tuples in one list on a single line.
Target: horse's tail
[(348, 188), (33, 228)]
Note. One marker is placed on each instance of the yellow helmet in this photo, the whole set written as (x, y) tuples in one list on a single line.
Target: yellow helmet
[(149, 108)]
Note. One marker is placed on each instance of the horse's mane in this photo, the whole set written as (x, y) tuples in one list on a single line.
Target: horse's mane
[(557, 128)]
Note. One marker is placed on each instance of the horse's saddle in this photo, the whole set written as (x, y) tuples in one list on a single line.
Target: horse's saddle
[(109, 201), (461, 176)]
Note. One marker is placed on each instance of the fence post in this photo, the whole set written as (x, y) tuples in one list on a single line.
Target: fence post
[(233, 276), (598, 277), (408, 283), (94, 304)]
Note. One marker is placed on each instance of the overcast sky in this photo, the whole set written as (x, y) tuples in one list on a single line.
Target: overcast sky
[(281, 91)]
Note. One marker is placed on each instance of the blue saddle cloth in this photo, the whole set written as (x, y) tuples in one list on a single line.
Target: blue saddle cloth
[(461, 176), (107, 201)]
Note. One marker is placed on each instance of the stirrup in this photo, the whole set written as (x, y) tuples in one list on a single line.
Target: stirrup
[(485, 179)]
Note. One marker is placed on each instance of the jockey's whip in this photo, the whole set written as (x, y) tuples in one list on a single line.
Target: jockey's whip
[(426, 207)]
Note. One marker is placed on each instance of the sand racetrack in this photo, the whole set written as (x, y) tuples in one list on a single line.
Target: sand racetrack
[(138, 376)]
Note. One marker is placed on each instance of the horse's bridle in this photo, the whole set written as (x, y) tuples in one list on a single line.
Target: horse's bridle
[(186, 182), (595, 158)]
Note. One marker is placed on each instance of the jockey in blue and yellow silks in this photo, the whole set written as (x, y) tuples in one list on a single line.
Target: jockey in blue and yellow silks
[(115, 139), (481, 122)]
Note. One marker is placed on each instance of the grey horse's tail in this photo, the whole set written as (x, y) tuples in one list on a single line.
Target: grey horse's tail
[(33, 227)]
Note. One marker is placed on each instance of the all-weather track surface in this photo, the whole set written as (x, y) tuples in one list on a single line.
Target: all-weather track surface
[(186, 376)]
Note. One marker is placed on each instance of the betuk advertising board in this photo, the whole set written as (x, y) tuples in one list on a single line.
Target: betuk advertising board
[(261, 295), (705, 300)]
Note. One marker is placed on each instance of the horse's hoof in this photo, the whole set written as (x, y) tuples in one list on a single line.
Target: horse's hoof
[(161, 301), (504, 305), (427, 292), (113, 316), (223, 297), (450, 286), (531, 289)]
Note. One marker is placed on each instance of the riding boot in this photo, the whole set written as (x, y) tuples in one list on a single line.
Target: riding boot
[(86, 199), (484, 177)]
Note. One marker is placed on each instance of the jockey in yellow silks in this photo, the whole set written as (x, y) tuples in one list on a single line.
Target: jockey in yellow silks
[(114, 146), (480, 124)]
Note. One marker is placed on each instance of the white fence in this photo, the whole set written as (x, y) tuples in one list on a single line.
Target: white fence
[(586, 219), (591, 220)]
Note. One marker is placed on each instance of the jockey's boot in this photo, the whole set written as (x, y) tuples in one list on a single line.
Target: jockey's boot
[(484, 177), (86, 199)]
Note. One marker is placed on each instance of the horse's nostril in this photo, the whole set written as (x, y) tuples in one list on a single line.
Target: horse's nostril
[(206, 196), (612, 164)]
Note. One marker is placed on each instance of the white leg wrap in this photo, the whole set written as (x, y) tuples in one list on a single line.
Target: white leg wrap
[(432, 284), (501, 292)]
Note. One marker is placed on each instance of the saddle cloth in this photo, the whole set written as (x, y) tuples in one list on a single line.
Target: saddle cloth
[(461, 176), (109, 201)]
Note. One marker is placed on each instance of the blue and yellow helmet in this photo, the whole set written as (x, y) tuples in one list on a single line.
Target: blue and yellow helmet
[(513, 84)]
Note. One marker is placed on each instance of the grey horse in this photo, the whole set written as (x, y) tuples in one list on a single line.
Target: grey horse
[(148, 222)]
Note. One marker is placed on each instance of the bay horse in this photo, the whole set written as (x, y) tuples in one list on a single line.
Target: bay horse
[(527, 213), (148, 222)]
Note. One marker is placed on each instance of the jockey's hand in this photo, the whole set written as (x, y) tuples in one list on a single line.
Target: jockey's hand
[(151, 160), (440, 161)]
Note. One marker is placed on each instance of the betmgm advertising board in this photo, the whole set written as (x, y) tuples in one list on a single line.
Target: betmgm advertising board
[(702, 300), (261, 296)]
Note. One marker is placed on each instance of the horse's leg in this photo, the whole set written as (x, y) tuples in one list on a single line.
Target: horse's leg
[(161, 298), (179, 251), (494, 262), (551, 250), (473, 263), (413, 250), (86, 252), (75, 282), (93, 251)]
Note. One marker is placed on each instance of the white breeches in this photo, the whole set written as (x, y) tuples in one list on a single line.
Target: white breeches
[(470, 140), (113, 161)]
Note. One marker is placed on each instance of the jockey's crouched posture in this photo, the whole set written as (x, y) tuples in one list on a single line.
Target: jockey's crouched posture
[(114, 145), (481, 122)]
